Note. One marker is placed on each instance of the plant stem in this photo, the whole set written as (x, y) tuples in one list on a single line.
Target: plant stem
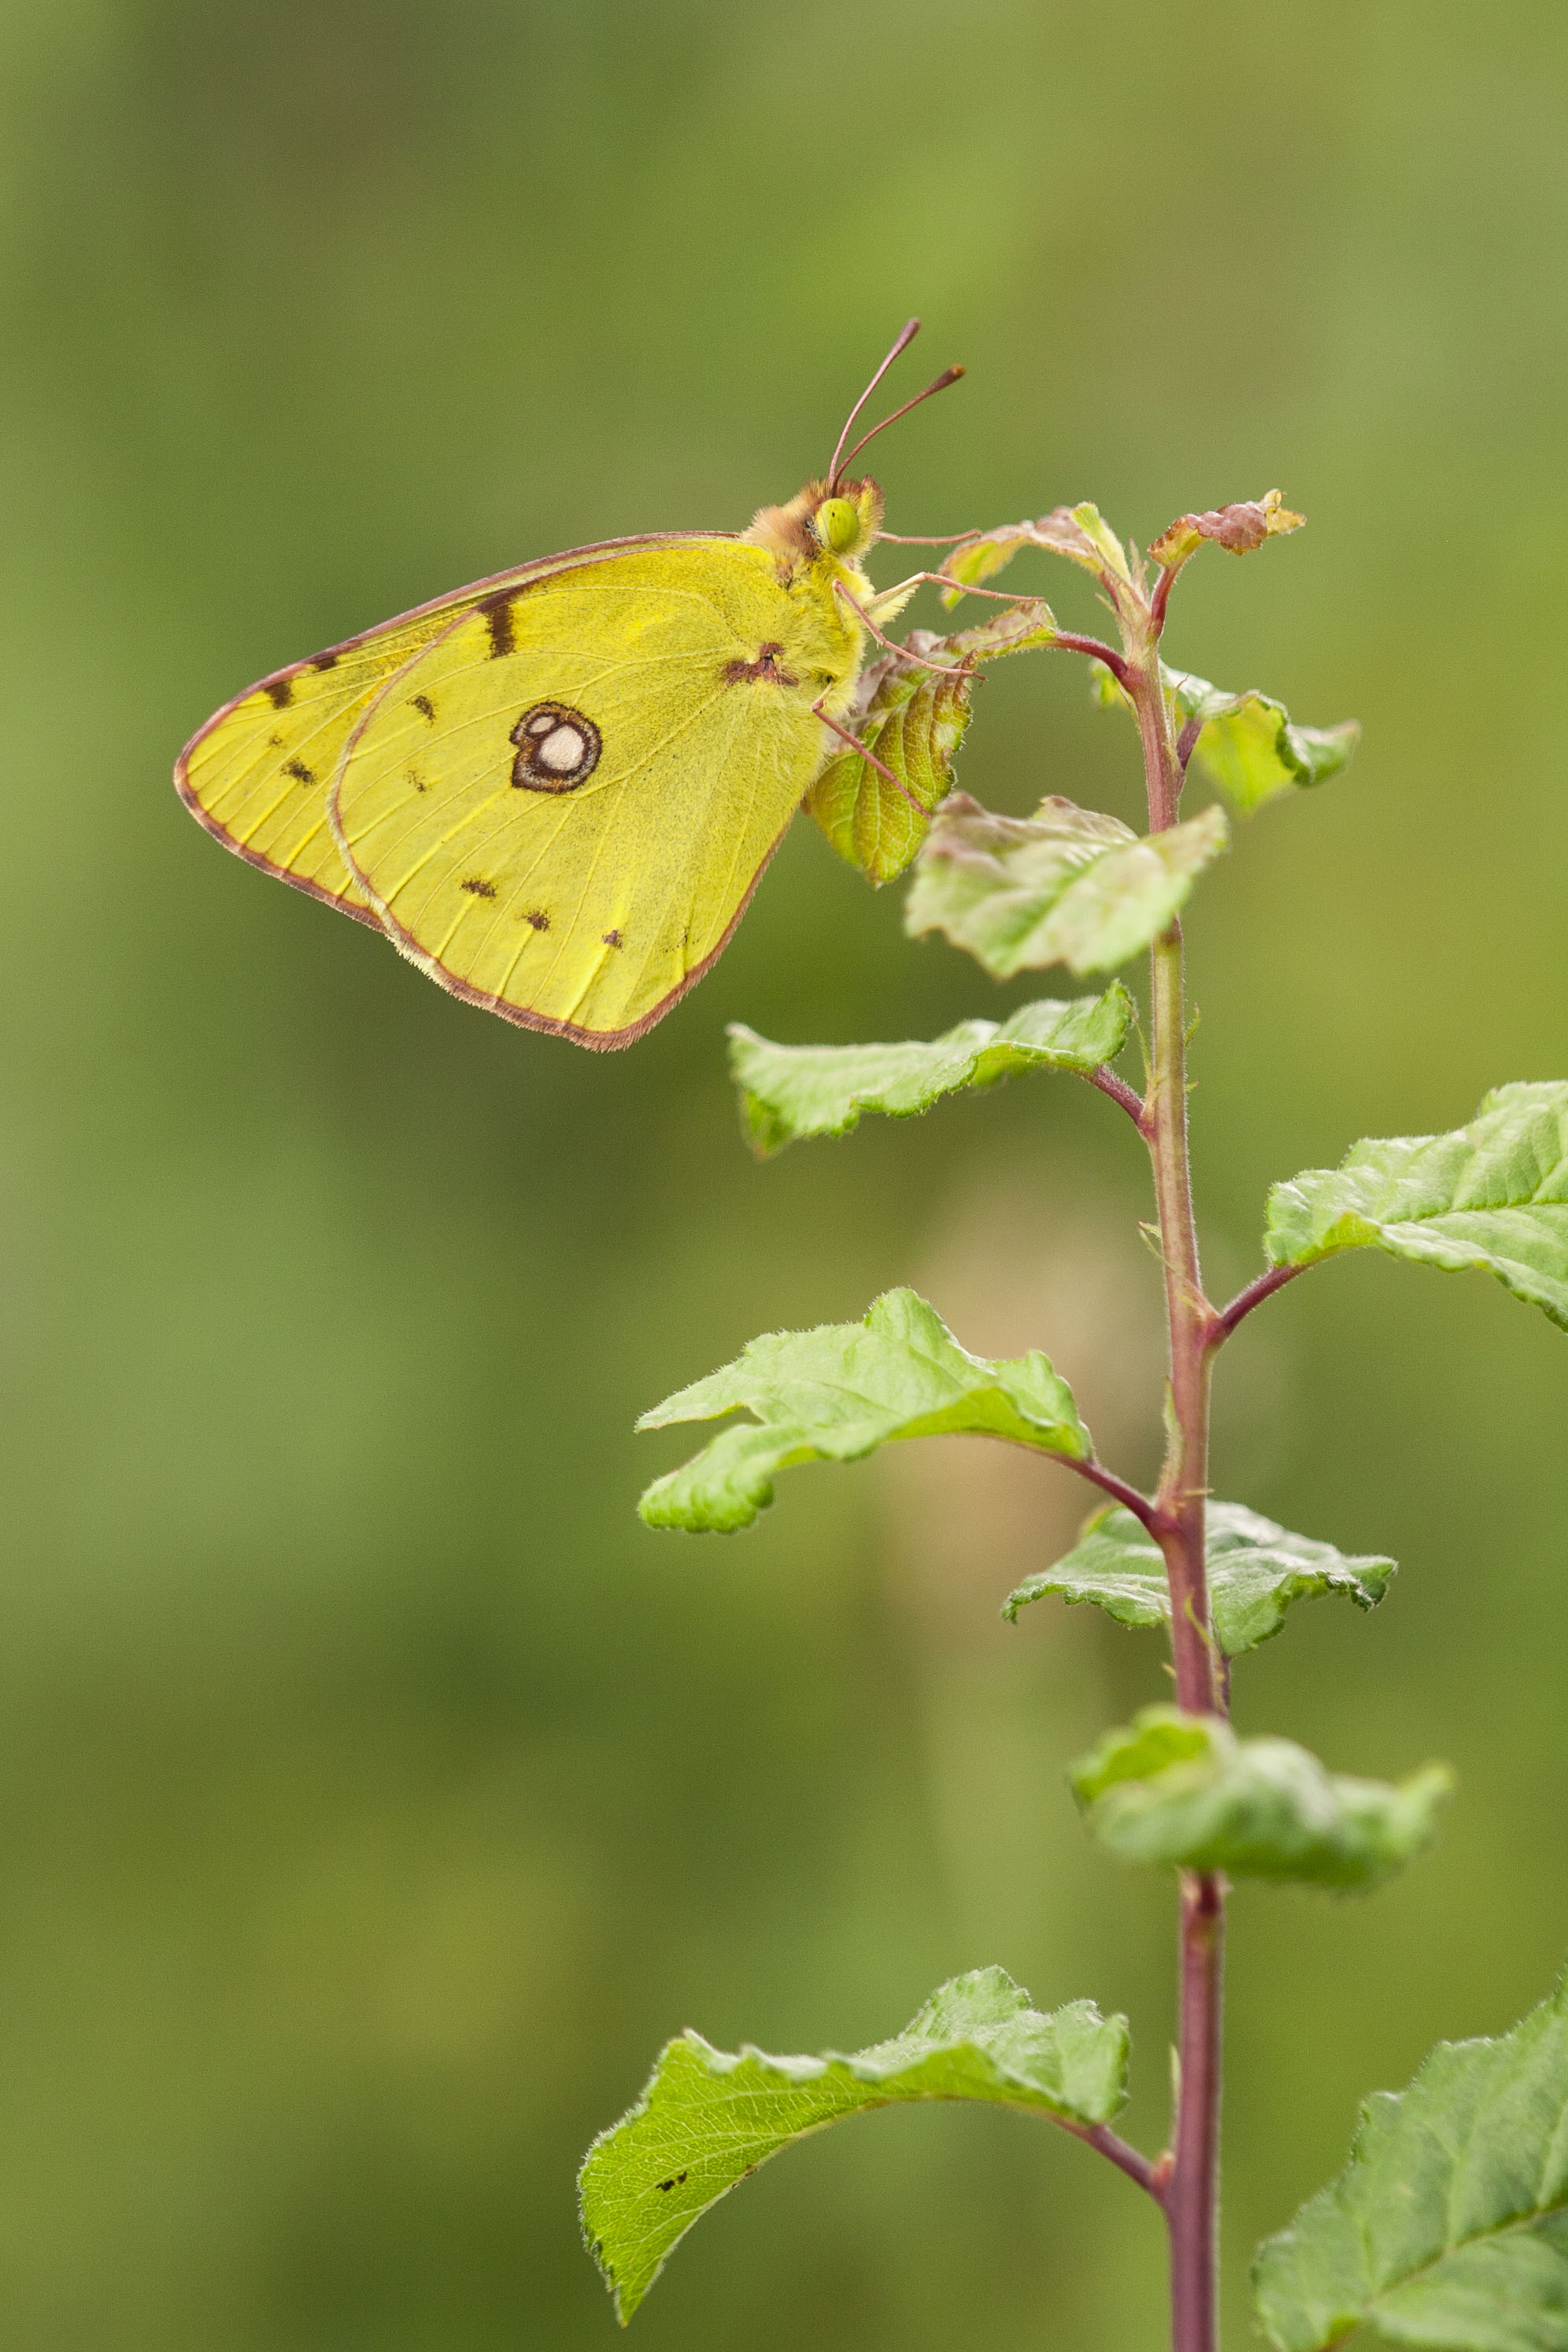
[(1131, 1101), (1131, 2160), (1190, 1321), (1117, 1488), (1192, 2205), (1192, 2200), (1263, 1287)]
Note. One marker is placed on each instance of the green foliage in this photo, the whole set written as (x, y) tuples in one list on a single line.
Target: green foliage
[(1256, 1570), (709, 2118), (838, 1393), (1078, 532), (1066, 886), (791, 1091), (913, 719), (1183, 1791), (1249, 746), (1247, 743), (1449, 2227), (1493, 1194)]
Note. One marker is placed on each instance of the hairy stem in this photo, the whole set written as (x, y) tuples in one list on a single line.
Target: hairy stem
[(1257, 1291), (1131, 2160), (1192, 2197), (1117, 1488), (1120, 1092), (1191, 2202)]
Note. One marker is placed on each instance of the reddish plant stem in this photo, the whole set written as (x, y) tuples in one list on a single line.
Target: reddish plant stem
[(1192, 2204), (1190, 1320), (1066, 642), (1118, 1091), (1192, 2198), (1117, 1488), (1145, 2171), (1242, 1305)]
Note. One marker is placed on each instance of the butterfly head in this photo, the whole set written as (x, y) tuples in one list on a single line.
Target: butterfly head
[(847, 519), (839, 520)]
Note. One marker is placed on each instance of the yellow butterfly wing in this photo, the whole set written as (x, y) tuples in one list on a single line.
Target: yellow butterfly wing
[(560, 808), (256, 775)]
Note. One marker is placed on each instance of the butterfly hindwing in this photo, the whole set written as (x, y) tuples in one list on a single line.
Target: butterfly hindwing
[(560, 807)]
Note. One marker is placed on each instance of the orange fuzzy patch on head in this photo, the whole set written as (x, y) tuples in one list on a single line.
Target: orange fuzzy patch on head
[(785, 530)]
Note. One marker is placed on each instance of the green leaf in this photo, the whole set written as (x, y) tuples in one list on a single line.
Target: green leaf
[(1065, 885), (1449, 2227), (839, 1391), (913, 719), (1493, 1194), (1113, 555), (1183, 1791), (1020, 628), (1256, 1570), (790, 1091), (1251, 748), (1247, 743), (1078, 532), (708, 2119)]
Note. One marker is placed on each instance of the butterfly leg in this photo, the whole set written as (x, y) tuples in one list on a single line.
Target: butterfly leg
[(856, 745), (963, 588), (942, 669), (1065, 641)]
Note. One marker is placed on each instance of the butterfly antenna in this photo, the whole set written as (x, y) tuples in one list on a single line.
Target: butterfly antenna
[(948, 376), (907, 334)]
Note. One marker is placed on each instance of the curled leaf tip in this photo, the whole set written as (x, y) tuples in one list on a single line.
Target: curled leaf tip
[(1238, 529), (1078, 532)]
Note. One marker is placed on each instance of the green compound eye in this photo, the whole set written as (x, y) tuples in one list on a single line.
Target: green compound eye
[(837, 524)]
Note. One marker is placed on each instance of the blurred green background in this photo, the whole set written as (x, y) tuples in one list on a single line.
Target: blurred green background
[(376, 1792)]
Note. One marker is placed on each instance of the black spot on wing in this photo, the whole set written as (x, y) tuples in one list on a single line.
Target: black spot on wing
[(498, 622), (765, 667), (279, 692), (477, 887), (423, 702), (614, 939), (538, 918), (299, 771), (324, 661)]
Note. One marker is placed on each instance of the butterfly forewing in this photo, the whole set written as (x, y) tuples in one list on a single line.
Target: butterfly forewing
[(256, 774), (560, 808)]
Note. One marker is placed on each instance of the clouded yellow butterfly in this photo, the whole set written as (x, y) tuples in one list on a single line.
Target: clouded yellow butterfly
[(556, 789)]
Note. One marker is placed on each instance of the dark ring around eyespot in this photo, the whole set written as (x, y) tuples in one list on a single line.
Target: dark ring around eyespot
[(557, 748)]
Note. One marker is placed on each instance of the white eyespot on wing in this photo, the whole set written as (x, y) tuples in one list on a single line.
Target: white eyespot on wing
[(561, 750)]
